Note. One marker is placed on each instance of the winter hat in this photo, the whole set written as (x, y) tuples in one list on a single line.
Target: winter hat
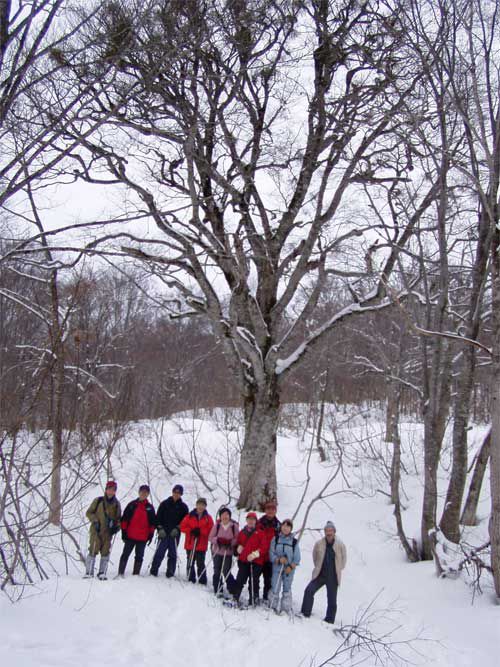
[(202, 501), (144, 487), (330, 524), (224, 509), (111, 484), (252, 515), (178, 488)]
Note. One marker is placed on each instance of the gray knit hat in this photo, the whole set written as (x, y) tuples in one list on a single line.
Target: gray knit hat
[(330, 524)]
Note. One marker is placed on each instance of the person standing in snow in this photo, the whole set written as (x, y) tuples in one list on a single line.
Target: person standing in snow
[(284, 554), (251, 548), (223, 538), (138, 527), (168, 518), (270, 525), (104, 515), (329, 558), (197, 526)]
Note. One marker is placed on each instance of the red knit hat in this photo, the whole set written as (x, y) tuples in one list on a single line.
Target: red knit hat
[(111, 484), (252, 515)]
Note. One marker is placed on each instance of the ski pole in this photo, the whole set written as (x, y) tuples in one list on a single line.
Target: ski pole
[(275, 593), (191, 557), (251, 585), (222, 581), (204, 569)]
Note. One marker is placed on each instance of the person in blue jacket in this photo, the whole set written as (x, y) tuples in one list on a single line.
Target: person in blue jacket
[(284, 554)]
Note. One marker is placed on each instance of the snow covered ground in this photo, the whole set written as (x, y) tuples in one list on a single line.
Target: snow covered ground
[(147, 621)]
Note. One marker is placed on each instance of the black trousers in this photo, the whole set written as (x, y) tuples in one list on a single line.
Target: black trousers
[(222, 567), (267, 575), (247, 572), (331, 594), (197, 560), (128, 547)]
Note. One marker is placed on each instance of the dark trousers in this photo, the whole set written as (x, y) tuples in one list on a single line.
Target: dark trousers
[(247, 572), (331, 593), (222, 566), (167, 545), (128, 547), (198, 561), (267, 575)]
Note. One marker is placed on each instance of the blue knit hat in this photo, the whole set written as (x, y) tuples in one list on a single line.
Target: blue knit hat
[(178, 488)]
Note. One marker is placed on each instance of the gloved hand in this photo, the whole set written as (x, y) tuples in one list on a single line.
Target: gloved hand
[(253, 555), (239, 549), (283, 560), (96, 526), (195, 532), (174, 533), (162, 533), (111, 525), (223, 542), (124, 535), (288, 569), (149, 541)]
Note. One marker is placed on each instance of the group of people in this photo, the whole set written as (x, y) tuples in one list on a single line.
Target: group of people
[(265, 548)]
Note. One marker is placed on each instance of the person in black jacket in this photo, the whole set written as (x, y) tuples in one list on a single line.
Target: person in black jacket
[(170, 513)]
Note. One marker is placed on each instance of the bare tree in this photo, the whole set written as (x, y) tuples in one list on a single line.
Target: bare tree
[(248, 208)]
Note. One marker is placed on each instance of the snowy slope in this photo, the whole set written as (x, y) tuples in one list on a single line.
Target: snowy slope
[(147, 621)]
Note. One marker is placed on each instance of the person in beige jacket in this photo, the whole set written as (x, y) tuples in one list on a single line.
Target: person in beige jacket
[(329, 559)]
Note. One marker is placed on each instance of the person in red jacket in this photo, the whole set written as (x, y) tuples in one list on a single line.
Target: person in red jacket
[(138, 527), (270, 526), (251, 552), (197, 526)]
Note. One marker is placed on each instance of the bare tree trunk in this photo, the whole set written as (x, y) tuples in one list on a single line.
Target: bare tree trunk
[(495, 413), (469, 515), (392, 436), (435, 416), (450, 520), (257, 473), (56, 416), (323, 383)]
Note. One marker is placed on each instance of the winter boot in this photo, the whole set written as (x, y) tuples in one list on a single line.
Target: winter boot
[(137, 566), (103, 568), (287, 603), (89, 566)]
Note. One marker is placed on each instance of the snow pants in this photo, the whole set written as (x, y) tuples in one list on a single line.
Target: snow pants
[(247, 572), (128, 547), (281, 580), (222, 568), (196, 560), (267, 575), (166, 546)]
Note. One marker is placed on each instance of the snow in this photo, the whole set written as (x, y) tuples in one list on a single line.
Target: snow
[(147, 621)]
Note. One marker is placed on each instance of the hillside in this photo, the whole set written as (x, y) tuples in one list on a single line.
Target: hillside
[(145, 621)]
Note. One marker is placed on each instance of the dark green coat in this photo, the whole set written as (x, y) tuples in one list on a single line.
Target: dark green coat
[(106, 513)]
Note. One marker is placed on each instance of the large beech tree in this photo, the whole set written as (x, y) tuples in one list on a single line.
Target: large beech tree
[(251, 128)]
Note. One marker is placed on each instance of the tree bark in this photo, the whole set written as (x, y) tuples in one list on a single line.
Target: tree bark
[(56, 404), (469, 515), (435, 415), (392, 435), (495, 414), (257, 473)]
